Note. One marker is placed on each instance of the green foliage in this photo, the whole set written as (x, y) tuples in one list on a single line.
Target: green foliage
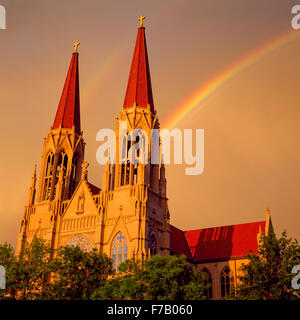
[(72, 274), (27, 275), (77, 274), (159, 278), (268, 274), (6, 260)]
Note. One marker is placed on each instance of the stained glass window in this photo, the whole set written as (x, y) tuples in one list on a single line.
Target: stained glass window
[(48, 177), (227, 281), (208, 283), (80, 240), (152, 244), (119, 250)]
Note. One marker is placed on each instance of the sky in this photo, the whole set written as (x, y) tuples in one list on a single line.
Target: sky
[(251, 123)]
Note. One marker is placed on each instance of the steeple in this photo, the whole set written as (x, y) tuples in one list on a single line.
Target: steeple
[(139, 91), (269, 226), (32, 190), (68, 112)]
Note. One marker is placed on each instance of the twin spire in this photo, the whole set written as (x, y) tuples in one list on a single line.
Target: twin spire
[(138, 93), (68, 112), (139, 90)]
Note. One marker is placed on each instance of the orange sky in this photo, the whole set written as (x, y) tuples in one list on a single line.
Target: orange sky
[(251, 126)]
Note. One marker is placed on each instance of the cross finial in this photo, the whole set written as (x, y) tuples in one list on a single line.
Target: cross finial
[(141, 18), (75, 45)]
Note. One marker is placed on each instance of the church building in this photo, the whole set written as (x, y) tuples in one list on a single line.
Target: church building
[(128, 217)]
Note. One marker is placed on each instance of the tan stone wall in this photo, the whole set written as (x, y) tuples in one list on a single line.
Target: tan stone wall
[(215, 269)]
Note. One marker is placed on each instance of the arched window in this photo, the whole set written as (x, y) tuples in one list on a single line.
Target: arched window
[(48, 177), (144, 148), (119, 250), (112, 177), (138, 152), (227, 281), (124, 148), (208, 283), (137, 144), (153, 245), (140, 149), (61, 165), (73, 181), (125, 162)]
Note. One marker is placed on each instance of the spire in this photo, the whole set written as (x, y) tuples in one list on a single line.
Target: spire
[(33, 179), (268, 226), (68, 112), (139, 91), (32, 190)]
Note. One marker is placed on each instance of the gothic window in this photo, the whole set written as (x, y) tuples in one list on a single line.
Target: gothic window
[(208, 283), (137, 144), (124, 148), (135, 174), (125, 162), (143, 150), (119, 250), (227, 281), (122, 174), (48, 177), (112, 177), (138, 152), (123, 159), (61, 165), (81, 241), (127, 172), (153, 245), (73, 175), (140, 146)]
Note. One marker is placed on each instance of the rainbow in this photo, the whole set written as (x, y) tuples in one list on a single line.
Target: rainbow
[(108, 66), (206, 90)]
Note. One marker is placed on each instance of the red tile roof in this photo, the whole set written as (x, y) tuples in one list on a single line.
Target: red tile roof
[(219, 243), (94, 190), (68, 112), (178, 242), (139, 88)]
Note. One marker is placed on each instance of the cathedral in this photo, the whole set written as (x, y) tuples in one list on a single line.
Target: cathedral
[(128, 217)]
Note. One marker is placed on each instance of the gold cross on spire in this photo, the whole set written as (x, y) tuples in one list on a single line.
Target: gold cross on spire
[(141, 18), (75, 45)]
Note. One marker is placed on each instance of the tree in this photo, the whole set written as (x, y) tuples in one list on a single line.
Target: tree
[(6, 260), (77, 273), (268, 274), (26, 275), (159, 278)]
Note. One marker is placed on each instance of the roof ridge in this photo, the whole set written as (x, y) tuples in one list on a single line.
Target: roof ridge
[(229, 225)]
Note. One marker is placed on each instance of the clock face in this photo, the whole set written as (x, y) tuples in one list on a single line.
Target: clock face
[(81, 241)]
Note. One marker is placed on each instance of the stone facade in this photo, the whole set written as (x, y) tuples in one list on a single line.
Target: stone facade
[(129, 217)]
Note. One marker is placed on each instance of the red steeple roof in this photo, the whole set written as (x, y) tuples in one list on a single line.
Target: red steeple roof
[(68, 112), (139, 89)]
